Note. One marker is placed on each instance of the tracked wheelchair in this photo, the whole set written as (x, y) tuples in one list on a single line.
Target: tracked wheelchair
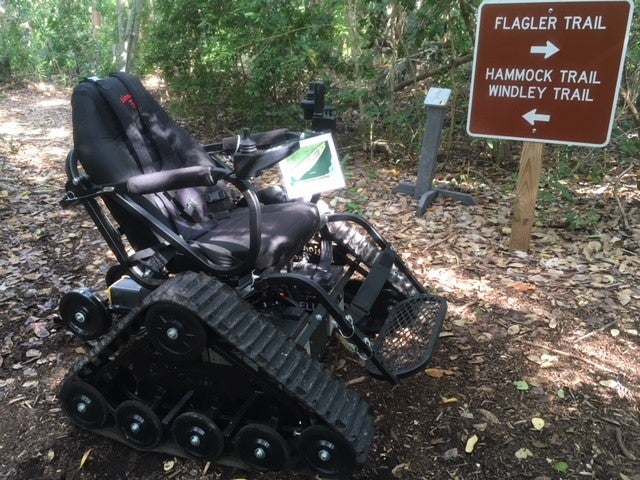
[(209, 341)]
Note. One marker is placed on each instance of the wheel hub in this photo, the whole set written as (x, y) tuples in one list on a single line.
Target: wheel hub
[(176, 331), (262, 447), (139, 425), (259, 453), (328, 451), (324, 455), (172, 333), (198, 435), (84, 313), (84, 404), (195, 440)]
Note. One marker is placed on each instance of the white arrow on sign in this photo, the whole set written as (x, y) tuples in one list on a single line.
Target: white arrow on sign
[(548, 49), (533, 116)]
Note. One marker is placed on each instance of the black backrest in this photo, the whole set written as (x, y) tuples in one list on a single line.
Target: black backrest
[(120, 106), (99, 139), (119, 131)]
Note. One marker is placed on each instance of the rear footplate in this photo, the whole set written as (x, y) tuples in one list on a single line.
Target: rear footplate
[(408, 337)]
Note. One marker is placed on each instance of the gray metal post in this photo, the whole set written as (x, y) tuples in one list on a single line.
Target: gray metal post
[(436, 102), (430, 146)]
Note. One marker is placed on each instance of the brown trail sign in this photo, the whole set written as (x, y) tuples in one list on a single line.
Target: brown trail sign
[(546, 71)]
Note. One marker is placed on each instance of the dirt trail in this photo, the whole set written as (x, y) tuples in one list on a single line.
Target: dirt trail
[(538, 360)]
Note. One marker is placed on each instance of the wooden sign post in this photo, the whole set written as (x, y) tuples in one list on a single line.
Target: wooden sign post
[(524, 207), (549, 72)]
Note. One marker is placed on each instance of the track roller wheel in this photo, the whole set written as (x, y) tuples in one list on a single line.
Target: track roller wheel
[(175, 331), (115, 273), (327, 451), (262, 448), (84, 404), (139, 425), (198, 435), (84, 314)]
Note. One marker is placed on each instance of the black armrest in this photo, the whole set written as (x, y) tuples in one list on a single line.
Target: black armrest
[(197, 176), (263, 140), (251, 164)]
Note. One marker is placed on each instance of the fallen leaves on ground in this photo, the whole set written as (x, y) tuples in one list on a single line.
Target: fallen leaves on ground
[(549, 334)]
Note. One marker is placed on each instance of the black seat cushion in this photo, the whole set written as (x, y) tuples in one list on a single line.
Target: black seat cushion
[(286, 227)]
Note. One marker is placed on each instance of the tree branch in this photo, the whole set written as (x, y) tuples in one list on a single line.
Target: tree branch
[(456, 62)]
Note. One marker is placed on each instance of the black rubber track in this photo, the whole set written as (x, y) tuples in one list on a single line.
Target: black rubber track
[(365, 250), (280, 360)]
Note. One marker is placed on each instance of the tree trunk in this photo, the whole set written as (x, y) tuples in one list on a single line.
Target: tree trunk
[(96, 19), (5, 60), (129, 19)]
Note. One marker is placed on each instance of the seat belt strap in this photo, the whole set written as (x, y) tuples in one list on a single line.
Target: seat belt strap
[(127, 123)]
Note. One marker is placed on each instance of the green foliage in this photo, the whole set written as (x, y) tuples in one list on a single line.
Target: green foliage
[(249, 58), (561, 466), (582, 221), (356, 202), (15, 51), (557, 199), (426, 36), (248, 62), (57, 39), (252, 59)]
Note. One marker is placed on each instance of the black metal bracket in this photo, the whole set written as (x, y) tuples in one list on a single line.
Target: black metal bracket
[(321, 116)]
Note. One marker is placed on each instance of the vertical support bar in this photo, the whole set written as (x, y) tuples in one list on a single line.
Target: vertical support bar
[(526, 195), (436, 102), (430, 147)]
